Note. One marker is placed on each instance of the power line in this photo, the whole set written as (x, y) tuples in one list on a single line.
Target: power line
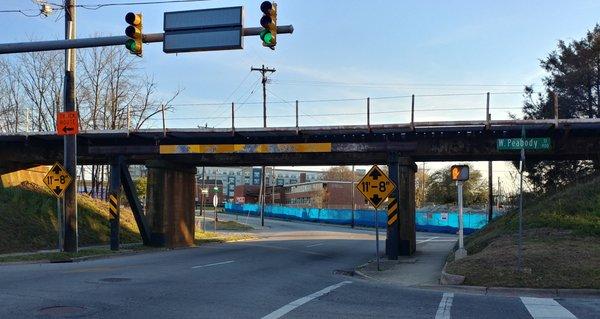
[(23, 12), (238, 106), (376, 84), (358, 99), (103, 5)]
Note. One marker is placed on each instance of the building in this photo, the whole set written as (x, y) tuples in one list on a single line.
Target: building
[(324, 194), (235, 176), (321, 194)]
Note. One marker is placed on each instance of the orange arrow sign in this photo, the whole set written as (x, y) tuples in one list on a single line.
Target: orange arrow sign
[(67, 123)]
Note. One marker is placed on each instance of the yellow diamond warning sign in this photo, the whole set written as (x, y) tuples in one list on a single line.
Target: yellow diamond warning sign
[(375, 186), (57, 180)]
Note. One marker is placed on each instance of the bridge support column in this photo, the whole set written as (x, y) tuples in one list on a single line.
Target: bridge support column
[(406, 206), (402, 236), (170, 206)]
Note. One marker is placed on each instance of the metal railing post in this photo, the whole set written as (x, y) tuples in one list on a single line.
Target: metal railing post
[(412, 112), (297, 127), (232, 118), (488, 116), (163, 120), (369, 113)]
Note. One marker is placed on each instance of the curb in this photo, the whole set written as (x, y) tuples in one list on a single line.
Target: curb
[(516, 292), (455, 283), (363, 275), (450, 279)]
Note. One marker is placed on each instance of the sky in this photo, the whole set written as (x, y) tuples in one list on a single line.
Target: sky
[(447, 53)]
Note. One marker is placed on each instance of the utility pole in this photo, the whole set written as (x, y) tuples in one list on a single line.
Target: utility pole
[(273, 189), (490, 193), (70, 141), (353, 205), (263, 71), (499, 194)]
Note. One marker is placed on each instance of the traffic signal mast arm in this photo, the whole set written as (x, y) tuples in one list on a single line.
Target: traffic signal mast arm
[(9, 48)]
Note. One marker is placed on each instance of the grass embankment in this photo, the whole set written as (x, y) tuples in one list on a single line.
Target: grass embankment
[(561, 244), (28, 223), (224, 225), (28, 220)]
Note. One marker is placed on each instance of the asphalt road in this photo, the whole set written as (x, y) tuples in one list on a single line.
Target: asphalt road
[(287, 273)]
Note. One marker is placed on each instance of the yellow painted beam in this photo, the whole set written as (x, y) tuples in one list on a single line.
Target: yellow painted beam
[(246, 148)]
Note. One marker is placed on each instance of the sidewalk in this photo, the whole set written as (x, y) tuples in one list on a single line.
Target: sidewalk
[(421, 269)]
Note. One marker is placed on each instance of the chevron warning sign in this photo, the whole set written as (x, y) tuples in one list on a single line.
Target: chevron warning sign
[(113, 206)]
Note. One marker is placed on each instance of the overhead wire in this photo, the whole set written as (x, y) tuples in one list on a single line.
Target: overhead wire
[(238, 106), (23, 12), (400, 84), (289, 103), (114, 4), (361, 99)]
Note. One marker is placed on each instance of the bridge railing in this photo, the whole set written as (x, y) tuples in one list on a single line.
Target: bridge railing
[(410, 110)]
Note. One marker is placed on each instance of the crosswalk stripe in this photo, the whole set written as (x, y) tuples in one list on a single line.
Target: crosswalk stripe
[(443, 311), (299, 302), (546, 308)]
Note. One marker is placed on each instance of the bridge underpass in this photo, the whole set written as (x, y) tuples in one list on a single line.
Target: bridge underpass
[(172, 156)]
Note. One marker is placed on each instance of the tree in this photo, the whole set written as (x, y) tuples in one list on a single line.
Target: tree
[(340, 173), (112, 94), (574, 76), (421, 184), (442, 190)]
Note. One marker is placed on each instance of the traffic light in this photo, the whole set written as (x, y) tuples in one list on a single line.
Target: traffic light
[(459, 173), (134, 32), (269, 22)]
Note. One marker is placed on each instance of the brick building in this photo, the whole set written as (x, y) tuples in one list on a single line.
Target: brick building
[(322, 194)]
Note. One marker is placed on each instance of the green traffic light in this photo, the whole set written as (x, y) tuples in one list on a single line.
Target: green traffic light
[(266, 36), (131, 45)]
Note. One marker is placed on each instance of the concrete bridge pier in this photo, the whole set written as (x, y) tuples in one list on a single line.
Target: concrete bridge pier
[(401, 232), (170, 203)]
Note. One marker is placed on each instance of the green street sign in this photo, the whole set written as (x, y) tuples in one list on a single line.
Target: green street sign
[(533, 143)]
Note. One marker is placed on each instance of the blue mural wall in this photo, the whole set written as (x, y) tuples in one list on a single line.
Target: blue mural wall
[(426, 220)]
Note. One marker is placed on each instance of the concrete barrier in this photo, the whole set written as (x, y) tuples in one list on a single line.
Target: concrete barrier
[(426, 221)]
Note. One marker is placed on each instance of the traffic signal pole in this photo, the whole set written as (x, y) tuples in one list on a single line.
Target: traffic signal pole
[(70, 141), (8, 48)]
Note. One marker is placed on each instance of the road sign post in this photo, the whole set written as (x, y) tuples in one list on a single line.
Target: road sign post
[(203, 193), (521, 167), (377, 239), (57, 180), (215, 204), (459, 174), (375, 186), (523, 143)]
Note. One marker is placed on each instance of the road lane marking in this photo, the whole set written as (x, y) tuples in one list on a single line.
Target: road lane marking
[(443, 311), (541, 308), (299, 302), (215, 264), (426, 240), (314, 245)]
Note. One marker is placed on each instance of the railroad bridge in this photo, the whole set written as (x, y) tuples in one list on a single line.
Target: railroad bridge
[(172, 156)]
